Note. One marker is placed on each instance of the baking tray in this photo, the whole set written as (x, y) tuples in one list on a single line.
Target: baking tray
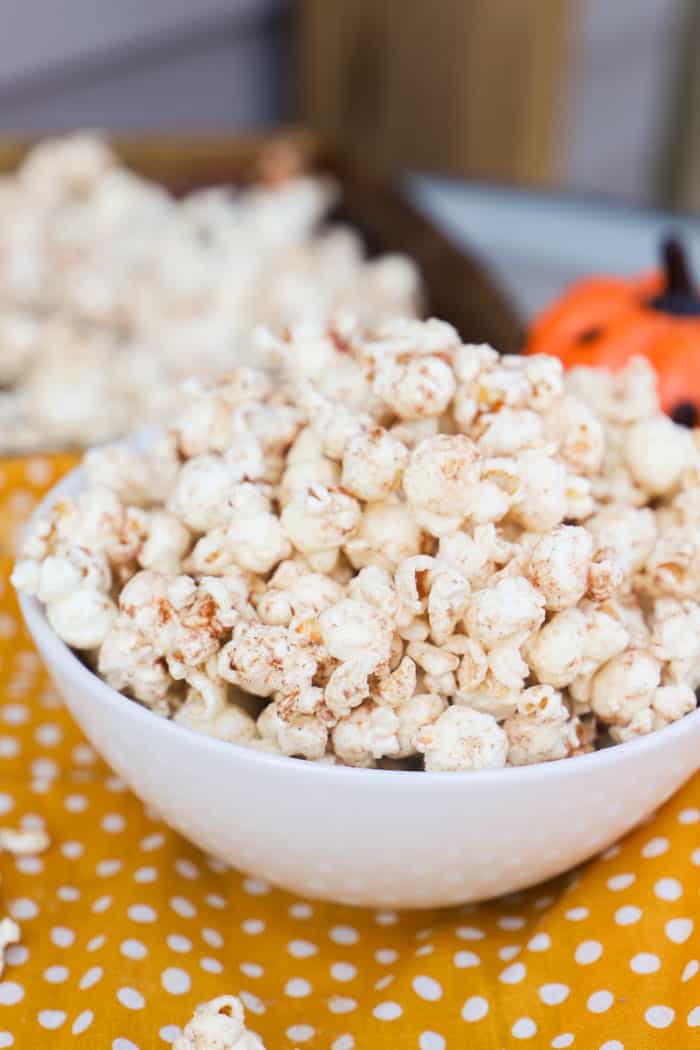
[(458, 288)]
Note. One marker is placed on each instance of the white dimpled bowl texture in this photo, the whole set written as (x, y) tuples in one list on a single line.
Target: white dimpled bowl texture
[(369, 837)]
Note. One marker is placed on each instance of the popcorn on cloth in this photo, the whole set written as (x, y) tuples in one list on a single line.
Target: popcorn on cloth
[(493, 575), (218, 1025), (9, 934), (23, 842)]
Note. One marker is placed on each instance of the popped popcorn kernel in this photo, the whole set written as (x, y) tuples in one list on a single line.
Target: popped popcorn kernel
[(218, 1025)]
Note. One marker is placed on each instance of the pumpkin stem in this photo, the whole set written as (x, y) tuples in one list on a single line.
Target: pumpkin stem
[(679, 296), (676, 268)]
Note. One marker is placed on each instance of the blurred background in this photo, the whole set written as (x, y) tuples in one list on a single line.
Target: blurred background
[(591, 95), (597, 98)]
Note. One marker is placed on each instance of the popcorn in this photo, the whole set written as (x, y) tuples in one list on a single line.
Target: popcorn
[(511, 607), (368, 733), (372, 464), (263, 660), (559, 566), (556, 653), (414, 715), (541, 729), (541, 501), (9, 934), (353, 629), (113, 291), (129, 663), (439, 480), (227, 721), (319, 519), (301, 735), (657, 453), (416, 388), (387, 533), (165, 543), (82, 619), (508, 582), (462, 739), (218, 1025), (625, 685), (24, 842)]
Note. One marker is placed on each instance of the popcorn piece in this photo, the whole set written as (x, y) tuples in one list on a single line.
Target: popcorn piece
[(200, 495), (387, 533), (415, 714), (447, 602), (24, 842), (511, 607), (166, 542), (675, 639), (129, 663), (605, 576), (348, 686), (294, 593), (508, 431), (673, 565), (625, 686), (432, 659), (560, 564), (397, 688), (352, 630), (9, 934), (304, 736), (226, 721), (541, 502), (256, 542), (462, 739), (657, 453), (629, 533), (541, 731), (218, 1025), (372, 464), (320, 519), (373, 584), (556, 653), (580, 434), (368, 733), (672, 702), (82, 619), (440, 478), (263, 660)]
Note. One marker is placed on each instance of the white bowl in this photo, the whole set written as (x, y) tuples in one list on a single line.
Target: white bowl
[(369, 837)]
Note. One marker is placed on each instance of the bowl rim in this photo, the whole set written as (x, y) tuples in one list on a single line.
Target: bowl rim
[(60, 654)]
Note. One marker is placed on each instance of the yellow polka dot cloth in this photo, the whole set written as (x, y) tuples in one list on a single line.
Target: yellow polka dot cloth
[(126, 927)]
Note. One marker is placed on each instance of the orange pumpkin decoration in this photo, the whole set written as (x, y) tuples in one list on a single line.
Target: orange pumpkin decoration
[(604, 321)]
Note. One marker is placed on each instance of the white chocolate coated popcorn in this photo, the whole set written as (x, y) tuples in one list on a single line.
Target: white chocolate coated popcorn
[(496, 576), (24, 842), (218, 1025), (9, 934), (541, 730), (463, 739)]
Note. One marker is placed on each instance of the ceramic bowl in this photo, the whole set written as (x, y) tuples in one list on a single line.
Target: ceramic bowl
[(361, 836)]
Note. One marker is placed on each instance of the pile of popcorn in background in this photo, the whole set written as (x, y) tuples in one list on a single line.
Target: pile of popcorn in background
[(395, 549), (112, 291)]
